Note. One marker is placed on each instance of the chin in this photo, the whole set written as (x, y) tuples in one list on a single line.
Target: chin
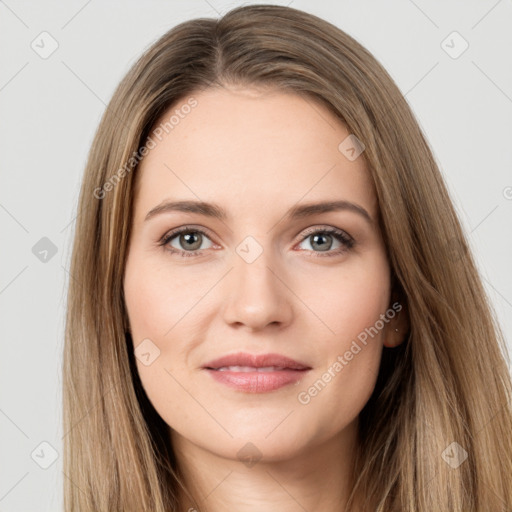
[(250, 450)]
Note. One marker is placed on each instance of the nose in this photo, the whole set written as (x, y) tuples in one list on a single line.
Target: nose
[(257, 295)]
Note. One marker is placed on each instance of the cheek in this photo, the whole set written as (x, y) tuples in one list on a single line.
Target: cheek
[(353, 310), (156, 298), (350, 350), (159, 303), (347, 300)]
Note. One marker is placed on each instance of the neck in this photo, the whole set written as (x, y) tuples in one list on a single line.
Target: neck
[(316, 478)]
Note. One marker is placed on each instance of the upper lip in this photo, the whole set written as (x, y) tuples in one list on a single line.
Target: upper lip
[(256, 361)]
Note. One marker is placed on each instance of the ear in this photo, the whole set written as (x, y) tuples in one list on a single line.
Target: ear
[(397, 329)]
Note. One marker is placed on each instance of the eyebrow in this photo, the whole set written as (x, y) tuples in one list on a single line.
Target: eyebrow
[(297, 212)]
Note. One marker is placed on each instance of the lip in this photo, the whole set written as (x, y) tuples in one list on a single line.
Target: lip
[(256, 361), (289, 371)]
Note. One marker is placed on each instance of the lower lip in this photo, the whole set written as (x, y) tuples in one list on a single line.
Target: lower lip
[(257, 382)]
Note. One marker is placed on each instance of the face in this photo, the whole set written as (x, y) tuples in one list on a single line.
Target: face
[(267, 276)]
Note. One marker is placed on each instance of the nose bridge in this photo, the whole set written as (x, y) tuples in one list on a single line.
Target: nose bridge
[(256, 296)]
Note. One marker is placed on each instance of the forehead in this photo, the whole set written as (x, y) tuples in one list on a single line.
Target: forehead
[(249, 148)]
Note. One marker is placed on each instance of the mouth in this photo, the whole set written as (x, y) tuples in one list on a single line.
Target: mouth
[(256, 373), (245, 369), (243, 361)]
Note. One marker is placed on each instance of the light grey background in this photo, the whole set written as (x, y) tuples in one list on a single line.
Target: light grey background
[(50, 109)]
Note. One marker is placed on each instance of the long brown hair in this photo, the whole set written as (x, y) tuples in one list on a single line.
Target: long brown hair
[(443, 395)]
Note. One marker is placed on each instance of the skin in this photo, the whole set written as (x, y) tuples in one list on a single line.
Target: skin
[(257, 154)]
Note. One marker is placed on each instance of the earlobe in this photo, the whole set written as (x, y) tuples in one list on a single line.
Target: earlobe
[(397, 330), (393, 339)]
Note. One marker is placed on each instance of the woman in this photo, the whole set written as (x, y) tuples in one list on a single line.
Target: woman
[(272, 303)]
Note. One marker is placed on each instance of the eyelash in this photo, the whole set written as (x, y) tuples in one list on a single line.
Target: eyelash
[(347, 241)]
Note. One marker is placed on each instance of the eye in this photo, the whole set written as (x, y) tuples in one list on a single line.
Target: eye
[(323, 239), (189, 240)]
